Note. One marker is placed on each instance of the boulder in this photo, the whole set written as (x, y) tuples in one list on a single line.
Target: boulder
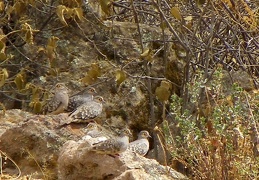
[(77, 161), (32, 142), (36, 145)]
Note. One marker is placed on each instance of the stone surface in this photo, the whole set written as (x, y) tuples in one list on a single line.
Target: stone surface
[(77, 161), (43, 151), (33, 142)]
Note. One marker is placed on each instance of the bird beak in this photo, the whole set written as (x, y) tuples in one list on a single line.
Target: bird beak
[(129, 133)]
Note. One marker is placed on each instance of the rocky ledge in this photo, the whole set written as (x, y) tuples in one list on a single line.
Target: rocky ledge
[(35, 146)]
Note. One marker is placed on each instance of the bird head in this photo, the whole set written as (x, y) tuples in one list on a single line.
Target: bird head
[(91, 126), (99, 99), (144, 134), (91, 90), (60, 87), (126, 132)]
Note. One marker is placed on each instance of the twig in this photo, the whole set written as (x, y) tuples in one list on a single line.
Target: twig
[(37, 163), (96, 48), (138, 26), (152, 78), (185, 46), (19, 174), (4, 110), (159, 133)]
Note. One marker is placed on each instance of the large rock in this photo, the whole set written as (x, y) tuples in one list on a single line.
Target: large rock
[(44, 150), (77, 161), (33, 142)]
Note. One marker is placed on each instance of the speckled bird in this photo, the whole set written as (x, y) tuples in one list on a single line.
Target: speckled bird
[(77, 100), (114, 145), (95, 134), (59, 102), (141, 145), (88, 110)]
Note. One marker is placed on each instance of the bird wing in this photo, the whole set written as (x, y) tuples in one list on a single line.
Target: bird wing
[(108, 146), (76, 101), (139, 146), (88, 110), (52, 105)]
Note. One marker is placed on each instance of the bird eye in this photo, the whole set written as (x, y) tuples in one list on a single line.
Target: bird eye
[(127, 131), (90, 126)]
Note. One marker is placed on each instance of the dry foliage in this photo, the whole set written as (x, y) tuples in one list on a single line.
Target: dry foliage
[(222, 144)]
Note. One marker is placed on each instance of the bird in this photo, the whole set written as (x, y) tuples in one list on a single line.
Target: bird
[(94, 134), (89, 110), (115, 145), (141, 145), (77, 100), (59, 102)]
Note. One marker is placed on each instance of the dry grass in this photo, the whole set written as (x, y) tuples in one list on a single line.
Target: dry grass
[(219, 144)]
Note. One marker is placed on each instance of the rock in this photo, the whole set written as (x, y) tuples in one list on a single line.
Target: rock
[(77, 161), (33, 142), (133, 174), (41, 150), (11, 118), (242, 78)]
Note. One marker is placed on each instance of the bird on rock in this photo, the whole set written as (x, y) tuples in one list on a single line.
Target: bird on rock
[(94, 134), (59, 101), (77, 100), (114, 145), (89, 110), (141, 145)]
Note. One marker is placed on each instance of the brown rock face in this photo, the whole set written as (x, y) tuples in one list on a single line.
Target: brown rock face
[(42, 150), (32, 142), (77, 161)]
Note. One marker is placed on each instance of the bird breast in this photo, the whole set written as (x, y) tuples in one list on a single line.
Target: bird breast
[(63, 97), (124, 143)]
